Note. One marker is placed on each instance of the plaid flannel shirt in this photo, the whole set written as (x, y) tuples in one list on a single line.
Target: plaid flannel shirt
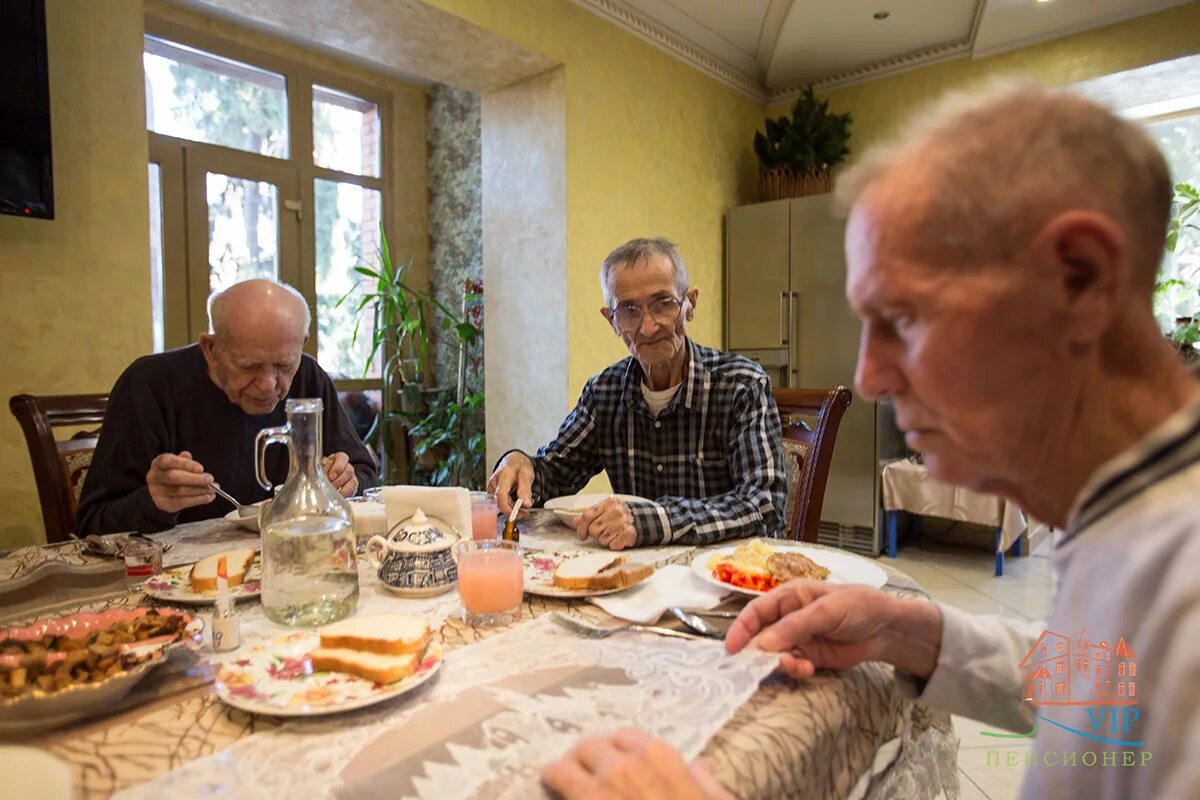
[(711, 460)]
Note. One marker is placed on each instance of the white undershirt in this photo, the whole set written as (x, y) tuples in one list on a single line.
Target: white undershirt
[(657, 400)]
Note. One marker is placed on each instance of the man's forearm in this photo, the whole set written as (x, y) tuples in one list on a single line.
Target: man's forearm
[(914, 636)]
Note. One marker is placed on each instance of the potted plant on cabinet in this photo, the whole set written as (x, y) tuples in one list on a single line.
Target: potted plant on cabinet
[(796, 153)]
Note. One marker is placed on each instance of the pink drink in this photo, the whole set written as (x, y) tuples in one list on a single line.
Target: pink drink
[(490, 581), (484, 518)]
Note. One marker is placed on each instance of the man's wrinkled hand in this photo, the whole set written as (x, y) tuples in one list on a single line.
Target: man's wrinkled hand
[(176, 482), (630, 765), (514, 474), (341, 474), (609, 522)]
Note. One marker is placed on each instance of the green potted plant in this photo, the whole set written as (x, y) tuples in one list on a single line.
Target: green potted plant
[(442, 447), (1177, 294), (796, 153)]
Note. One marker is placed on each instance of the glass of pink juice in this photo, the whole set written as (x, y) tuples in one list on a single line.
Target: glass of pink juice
[(485, 516), (491, 581)]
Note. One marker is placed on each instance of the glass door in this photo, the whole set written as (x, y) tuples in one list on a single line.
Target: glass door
[(243, 222)]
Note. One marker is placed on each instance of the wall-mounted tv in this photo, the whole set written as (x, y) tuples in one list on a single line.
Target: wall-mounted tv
[(26, 178)]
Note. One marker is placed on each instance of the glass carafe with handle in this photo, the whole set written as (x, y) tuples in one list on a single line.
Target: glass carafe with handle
[(310, 574)]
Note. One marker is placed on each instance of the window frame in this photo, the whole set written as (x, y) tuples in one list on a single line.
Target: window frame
[(180, 300)]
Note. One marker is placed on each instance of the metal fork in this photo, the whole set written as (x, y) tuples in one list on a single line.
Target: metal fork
[(593, 632)]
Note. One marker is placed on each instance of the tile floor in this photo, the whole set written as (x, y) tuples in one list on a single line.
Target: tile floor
[(962, 576)]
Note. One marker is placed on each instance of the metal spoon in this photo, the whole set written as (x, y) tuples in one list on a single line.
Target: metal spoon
[(695, 623), (243, 511)]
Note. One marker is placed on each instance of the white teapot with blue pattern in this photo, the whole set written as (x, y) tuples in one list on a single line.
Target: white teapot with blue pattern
[(416, 558)]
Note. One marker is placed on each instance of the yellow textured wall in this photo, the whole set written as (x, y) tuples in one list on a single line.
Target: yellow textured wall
[(75, 290), (881, 106), (654, 147)]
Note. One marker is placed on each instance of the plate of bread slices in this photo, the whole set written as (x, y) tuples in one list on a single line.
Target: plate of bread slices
[(197, 583), (581, 573), (756, 567), (350, 664)]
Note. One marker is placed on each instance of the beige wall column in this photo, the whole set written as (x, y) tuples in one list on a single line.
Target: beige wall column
[(525, 262)]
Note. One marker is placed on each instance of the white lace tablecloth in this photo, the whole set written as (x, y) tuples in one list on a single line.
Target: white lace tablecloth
[(504, 706), (529, 689)]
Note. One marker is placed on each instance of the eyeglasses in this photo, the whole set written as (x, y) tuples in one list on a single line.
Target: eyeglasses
[(665, 310)]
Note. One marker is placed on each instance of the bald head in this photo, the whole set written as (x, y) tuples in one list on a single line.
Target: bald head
[(250, 306), (980, 175), (257, 331)]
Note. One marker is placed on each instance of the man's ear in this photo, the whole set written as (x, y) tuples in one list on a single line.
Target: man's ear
[(691, 296), (207, 343), (1086, 254), (607, 313)]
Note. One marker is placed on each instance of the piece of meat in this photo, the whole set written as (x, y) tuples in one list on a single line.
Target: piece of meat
[(785, 566)]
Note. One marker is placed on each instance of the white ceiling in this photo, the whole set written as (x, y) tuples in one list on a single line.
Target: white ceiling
[(771, 48)]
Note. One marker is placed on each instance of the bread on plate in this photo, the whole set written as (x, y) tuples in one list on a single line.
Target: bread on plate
[(600, 572), (383, 648), (237, 564)]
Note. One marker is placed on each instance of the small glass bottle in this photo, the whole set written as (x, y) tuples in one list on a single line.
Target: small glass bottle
[(226, 628), (310, 571)]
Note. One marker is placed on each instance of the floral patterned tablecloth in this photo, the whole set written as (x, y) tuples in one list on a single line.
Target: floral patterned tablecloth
[(841, 735)]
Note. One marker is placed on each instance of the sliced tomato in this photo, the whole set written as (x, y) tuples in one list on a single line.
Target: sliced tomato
[(727, 573)]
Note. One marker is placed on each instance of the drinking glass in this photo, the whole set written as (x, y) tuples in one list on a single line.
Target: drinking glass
[(143, 560), (485, 515), (491, 580)]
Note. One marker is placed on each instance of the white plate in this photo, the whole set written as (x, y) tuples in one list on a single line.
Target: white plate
[(539, 574), (175, 586), (569, 507), (249, 522), (30, 772), (843, 567), (277, 678)]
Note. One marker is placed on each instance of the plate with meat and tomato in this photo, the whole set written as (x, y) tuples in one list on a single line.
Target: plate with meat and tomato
[(756, 567)]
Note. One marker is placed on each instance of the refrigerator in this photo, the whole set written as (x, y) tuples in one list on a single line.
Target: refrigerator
[(785, 308)]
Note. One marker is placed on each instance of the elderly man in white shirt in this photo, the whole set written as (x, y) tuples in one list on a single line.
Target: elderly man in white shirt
[(1002, 258)]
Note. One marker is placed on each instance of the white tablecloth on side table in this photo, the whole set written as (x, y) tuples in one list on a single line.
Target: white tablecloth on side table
[(908, 487)]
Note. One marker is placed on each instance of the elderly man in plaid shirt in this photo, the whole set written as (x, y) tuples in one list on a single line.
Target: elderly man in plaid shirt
[(694, 429)]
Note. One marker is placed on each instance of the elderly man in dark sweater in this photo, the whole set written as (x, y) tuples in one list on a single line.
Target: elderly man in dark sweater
[(178, 421)]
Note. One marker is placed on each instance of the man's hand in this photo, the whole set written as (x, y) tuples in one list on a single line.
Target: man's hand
[(513, 473), (816, 625), (630, 764), (177, 482), (341, 474), (609, 522)]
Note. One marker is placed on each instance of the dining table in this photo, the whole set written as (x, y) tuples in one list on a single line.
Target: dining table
[(506, 700)]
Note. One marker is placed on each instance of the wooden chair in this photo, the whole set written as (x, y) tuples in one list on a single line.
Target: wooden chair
[(808, 451), (59, 467)]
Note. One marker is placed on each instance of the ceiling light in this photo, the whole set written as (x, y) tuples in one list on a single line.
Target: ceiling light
[(1043, 1), (886, 14)]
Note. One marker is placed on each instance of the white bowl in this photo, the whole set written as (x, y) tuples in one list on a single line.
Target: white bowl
[(250, 521), (570, 507)]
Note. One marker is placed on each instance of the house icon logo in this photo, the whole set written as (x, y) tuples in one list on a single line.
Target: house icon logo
[(1071, 671), (1083, 687)]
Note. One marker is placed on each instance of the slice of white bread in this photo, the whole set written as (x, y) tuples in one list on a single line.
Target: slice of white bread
[(368, 666), (599, 572), (237, 564), (385, 634)]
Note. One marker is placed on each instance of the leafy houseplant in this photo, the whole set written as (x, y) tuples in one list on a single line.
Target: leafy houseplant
[(444, 448), (1177, 299), (796, 153)]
